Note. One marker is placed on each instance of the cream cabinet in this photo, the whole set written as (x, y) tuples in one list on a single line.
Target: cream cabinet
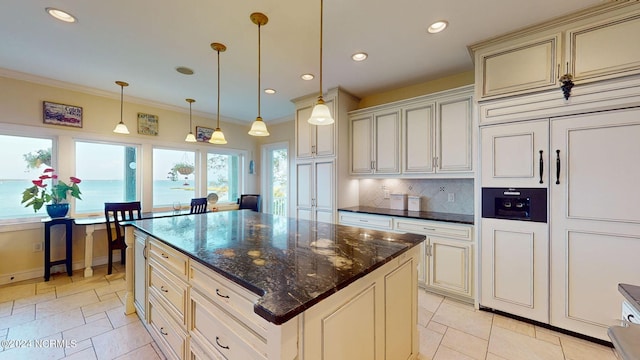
[(591, 45), (315, 189), (375, 142), (140, 274), (311, 140), (423, 136), (369, 221), (447, 257)]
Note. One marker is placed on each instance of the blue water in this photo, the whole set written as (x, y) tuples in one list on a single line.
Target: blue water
[(94, 194)]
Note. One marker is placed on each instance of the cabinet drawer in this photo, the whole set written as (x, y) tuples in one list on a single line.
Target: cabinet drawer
[(460, 232), (166, 332), (169, 258), (169, 288), (228, 296), (223, 332), (366, 220)]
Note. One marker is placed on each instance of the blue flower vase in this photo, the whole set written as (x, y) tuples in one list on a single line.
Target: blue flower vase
[(57, 210)]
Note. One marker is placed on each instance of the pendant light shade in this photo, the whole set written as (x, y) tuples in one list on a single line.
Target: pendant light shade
[(121, 128), (259, 128), (320, 115), (190, 137), (218, 137)]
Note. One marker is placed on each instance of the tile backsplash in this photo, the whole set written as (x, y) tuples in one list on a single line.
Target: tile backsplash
[(434, 193)]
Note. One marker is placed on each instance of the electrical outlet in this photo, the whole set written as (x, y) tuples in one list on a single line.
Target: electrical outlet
[(451, 197), (37, 247), (386, 194)]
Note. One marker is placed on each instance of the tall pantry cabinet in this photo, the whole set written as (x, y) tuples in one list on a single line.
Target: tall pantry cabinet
[(587, 147), (322, 165)]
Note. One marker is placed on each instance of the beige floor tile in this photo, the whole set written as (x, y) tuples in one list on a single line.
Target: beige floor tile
[(3, 335), (41, 349), (85, 354), (8, 293), (95, 317), (87, 331), (80, 286), (40, 328), (581, 350), (429, 301), (476, 323), (115, 276), (547, 336), (102, 306), (121, 341), (79, 346), (146, 352), (515, 346), (119, 319), (462, 304), (6, 308), (464, 343), (514, 325), (30, 300), (112, 288), (65, 303), (437, 327), (424, 316), (491, 356), (158, 351), (445, 353), (18, 318), (429, 342)]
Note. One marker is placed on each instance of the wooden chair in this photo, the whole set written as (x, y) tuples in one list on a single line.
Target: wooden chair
[(115, 213), (198, 205), (249, 201)]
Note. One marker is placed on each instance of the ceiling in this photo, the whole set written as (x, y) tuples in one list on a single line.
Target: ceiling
[(143, 41)]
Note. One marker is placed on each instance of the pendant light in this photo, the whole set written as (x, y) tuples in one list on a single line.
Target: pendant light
[(218, 137), (190, 137), (259, 128), (320, 115), (121, 128)]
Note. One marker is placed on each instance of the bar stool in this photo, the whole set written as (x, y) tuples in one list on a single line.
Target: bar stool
[(48, 223)]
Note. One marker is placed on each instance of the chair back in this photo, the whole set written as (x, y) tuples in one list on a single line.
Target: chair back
[(250, 201), (117, 212), (198, 206)]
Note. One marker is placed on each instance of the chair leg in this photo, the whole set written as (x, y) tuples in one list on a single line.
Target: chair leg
[(110, 266), (123, 254)]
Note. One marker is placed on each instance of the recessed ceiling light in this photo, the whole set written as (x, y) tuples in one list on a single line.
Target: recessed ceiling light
[(307, 77), (361, 56), (270, 91), (437, 26), (184, 70), (60, 15)]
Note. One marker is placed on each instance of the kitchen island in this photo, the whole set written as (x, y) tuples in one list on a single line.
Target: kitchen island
[(242, 284)]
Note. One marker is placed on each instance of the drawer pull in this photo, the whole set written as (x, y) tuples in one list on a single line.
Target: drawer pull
[(630, 318), (163, 332), (163, 289), (222, 296), (218, 343), (428, 229), (362, 220), (165, 255)]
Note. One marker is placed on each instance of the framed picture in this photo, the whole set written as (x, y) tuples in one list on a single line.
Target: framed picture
[(61, 114), (203, 134), (147, 124)]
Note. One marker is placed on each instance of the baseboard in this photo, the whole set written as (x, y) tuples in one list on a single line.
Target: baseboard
[(39, 272)]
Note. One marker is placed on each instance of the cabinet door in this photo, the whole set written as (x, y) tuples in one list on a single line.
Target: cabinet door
[(304, 189), (325, 134), (595, 222), (324, 174), (140, 275), (450, 265), (454, 131), (399, 312), (305, 135), (515, 268), (387, 143), (418, 139), (511, 155), (361, 145)]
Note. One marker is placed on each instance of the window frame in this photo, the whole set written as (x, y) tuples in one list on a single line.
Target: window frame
[(243, 160)]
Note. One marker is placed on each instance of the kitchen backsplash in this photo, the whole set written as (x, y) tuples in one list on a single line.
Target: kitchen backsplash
[(434, 193)]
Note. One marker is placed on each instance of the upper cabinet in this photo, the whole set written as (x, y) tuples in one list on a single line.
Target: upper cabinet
[(427, 135), (592, 45), (311, 140)]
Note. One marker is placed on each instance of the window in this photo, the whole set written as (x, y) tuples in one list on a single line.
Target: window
[(23, 160), (108, 174), (173, 177), (224, 175)]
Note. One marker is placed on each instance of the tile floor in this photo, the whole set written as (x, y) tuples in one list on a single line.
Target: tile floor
[(78, 318)]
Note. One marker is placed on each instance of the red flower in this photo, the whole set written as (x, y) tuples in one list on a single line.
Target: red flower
[(48, 170), (75, 180), (39, 183)]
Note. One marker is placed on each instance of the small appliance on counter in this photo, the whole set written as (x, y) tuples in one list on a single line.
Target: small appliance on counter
[(413, 203), (398, 202)]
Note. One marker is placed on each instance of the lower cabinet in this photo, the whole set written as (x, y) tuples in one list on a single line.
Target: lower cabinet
[(140, 274)]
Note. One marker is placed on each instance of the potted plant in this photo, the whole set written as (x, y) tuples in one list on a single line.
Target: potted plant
[(184, 168), (40, 194)]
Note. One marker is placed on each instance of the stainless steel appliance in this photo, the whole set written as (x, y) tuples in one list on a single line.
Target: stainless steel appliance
[(524, 204)]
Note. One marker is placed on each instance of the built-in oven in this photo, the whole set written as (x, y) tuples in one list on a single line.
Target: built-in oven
[(524, 204)]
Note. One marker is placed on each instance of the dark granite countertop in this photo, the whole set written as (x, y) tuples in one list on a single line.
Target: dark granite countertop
[(292, 264), (631, 293), (421, 215)]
